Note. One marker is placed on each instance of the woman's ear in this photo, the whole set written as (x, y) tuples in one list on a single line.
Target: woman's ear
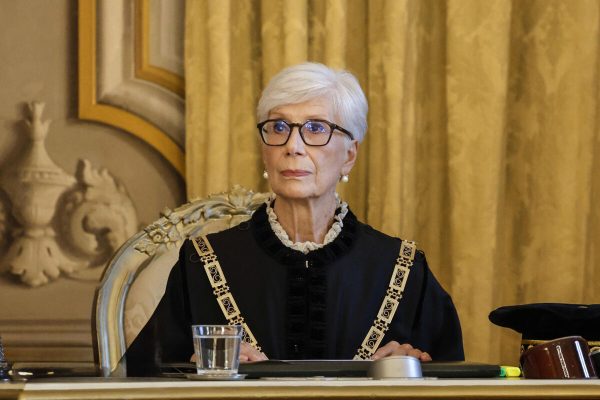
[(351, 153)]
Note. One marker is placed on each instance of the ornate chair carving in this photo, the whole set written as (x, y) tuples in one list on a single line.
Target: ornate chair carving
[(135, 278)]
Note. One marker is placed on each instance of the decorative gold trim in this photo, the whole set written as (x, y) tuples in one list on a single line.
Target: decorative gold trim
[(217, 280), (143, 69), (390, 303), (90, 109)]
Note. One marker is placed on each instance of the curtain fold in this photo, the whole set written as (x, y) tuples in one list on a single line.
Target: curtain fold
[(551, 148), (477, 43), (223, 75), (483, 141)]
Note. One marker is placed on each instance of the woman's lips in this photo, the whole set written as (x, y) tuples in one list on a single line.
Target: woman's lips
[(294, 173)]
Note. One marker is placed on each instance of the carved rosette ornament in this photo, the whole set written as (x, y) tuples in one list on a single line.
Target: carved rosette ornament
[(95, 213)]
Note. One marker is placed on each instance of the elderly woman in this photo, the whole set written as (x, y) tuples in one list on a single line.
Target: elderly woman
[(310, 280)]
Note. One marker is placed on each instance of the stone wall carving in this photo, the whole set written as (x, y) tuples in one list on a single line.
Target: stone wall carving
[(56, 224)]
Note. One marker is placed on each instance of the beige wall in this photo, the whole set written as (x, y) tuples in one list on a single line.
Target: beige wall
[(38, 61)]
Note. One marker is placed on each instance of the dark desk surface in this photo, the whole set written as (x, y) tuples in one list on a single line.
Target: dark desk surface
[(314, 388)]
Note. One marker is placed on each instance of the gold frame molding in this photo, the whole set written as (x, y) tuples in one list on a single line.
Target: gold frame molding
[(143, 69), (90, 109)]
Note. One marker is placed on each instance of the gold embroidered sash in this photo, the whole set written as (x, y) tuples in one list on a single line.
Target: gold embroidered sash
[(370, 344), (388, 308), (217, 280)]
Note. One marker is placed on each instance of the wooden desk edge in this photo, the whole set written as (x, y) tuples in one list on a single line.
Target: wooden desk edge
[(10, 391), (328, 392)]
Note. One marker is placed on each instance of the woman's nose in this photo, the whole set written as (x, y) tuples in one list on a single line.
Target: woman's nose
[(295, 144)]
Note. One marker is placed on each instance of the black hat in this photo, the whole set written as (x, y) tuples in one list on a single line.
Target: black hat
[(547, 321)]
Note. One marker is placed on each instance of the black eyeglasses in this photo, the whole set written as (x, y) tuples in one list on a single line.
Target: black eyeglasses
[(314, 132)]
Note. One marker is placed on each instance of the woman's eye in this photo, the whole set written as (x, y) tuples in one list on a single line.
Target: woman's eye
[(279, 127), (315, 127)]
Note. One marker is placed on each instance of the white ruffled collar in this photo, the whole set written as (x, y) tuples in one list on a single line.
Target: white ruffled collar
[(306, 247)]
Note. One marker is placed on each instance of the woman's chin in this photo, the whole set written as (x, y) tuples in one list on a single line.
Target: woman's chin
[(301, 189), (293, 195), (294, 191)]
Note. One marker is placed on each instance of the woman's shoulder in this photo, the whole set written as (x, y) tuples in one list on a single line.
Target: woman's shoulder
[(233, 239), (377, 238), (234, 232)]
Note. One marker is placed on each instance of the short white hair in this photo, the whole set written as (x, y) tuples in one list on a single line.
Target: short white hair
[(307, 81)]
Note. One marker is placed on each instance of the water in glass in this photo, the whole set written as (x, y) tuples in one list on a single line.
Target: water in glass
[(217, 351)]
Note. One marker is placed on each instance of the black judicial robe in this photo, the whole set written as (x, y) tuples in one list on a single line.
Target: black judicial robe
[(318, 305)]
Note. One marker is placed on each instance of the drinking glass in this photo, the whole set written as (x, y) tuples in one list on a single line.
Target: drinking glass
[(217, 349)]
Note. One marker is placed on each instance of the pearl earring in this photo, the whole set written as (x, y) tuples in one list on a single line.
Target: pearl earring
[(265, 174), (344, 179)]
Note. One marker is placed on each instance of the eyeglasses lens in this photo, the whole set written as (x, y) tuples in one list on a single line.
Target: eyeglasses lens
[(314, 133)]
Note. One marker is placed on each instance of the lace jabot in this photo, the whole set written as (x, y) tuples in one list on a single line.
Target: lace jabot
[(306, 247)]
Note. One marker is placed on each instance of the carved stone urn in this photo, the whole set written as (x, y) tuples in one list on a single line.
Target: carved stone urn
[(34, 183)]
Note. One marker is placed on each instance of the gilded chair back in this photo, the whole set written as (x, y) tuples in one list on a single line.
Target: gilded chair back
[(135, 278)]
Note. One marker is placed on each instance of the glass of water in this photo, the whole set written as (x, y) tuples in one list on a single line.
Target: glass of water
[(217, 349)]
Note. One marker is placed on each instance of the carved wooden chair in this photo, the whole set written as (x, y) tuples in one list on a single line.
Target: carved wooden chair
[(135, 278)]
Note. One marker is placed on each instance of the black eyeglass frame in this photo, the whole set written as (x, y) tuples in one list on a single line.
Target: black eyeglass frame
[(293, 125)]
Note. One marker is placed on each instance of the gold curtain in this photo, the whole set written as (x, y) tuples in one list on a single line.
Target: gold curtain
[(483, 141)]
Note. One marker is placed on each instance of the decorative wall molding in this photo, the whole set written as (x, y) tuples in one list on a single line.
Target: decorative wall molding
[(117, 82), (61, 340), (94, 212), (109, 91), (52, 332), (144, 69)]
